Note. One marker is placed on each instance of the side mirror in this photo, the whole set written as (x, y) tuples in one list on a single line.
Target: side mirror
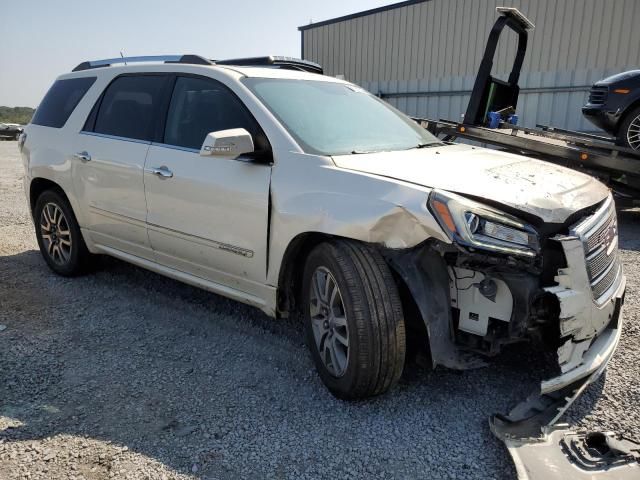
[(227, 143)]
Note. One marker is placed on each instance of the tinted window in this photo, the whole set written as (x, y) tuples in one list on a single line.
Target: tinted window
[(200, 106), (60, 101), (129, 106)]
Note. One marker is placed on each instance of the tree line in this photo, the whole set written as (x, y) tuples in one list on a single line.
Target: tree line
[(20, 115)]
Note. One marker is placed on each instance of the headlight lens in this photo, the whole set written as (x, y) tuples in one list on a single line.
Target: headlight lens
[(504, 233), (475, 225)]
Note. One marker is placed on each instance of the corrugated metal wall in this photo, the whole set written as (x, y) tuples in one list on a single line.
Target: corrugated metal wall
[(423, 57)]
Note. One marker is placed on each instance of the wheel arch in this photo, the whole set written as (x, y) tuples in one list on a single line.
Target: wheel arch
[(78, 260), (292, 266), (39, 185), (290, 281), (625, 114)]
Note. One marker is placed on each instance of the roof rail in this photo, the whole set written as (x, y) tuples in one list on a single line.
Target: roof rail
[(189, 59), (289, 63)]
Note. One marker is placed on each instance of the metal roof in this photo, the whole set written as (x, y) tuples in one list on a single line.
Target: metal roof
[(361, 14)]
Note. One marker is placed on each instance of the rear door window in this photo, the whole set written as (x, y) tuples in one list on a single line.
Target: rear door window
[(129, 107), (60, 101), (200, 106)]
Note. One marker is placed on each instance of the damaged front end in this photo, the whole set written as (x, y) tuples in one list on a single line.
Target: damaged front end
[(502, 282), (589, 290)]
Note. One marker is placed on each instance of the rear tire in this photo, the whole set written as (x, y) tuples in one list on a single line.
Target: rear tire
[(362, 321), (59, 236), (629, 132)]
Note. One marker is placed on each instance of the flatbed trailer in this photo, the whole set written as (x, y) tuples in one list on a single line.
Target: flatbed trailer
[(597, 155), (617, 167)]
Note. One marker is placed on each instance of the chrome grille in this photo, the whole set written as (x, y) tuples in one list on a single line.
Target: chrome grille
[(598, 95), (599, 261), (596, 238), (604, 283), (600, 239)]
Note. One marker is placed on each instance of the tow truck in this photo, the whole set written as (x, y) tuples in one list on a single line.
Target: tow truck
[(491, 119), (540, 447)]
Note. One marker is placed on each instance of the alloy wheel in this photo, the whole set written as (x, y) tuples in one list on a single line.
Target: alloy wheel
[(329, 322), (633, 133), (56, 234)]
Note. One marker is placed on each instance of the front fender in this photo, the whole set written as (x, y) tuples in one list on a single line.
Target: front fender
[(321, 198), (356, 217)]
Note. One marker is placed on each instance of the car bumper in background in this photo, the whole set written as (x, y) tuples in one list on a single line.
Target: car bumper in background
[(602, 117)]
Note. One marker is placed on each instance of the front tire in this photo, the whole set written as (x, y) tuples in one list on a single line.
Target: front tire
[(59, 236), (629, 132), (354, 323)]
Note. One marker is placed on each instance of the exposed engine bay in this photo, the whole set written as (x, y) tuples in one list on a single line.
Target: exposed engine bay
[(567, 296)]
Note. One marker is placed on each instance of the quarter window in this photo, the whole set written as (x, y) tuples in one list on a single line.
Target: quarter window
[(129, 107), (200, 106), (61, 100)]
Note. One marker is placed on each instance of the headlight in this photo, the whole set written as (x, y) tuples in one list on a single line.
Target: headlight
[(475, 225)]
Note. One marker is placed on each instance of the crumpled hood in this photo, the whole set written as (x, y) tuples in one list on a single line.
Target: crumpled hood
[(543, 189)]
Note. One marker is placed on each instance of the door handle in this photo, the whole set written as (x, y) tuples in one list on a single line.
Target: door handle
[(162, 172), (82, 156)]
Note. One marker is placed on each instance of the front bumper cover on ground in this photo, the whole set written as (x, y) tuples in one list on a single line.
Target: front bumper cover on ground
[(564, 454)]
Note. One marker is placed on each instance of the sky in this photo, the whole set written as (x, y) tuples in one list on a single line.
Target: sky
[(44, 38)]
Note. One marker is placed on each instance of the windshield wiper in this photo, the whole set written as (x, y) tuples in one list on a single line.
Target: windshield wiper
[(427, 145), (420, 145), (362, 152)]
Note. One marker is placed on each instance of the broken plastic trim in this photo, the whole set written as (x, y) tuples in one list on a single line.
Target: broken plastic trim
[(564, 454), (592, 328), (530, 419), (424, 271), (596, 329)]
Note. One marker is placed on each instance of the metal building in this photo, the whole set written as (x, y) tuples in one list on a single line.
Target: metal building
[(423, 55)]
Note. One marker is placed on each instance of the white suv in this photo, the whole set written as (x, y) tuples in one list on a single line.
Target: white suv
[(296, 192)]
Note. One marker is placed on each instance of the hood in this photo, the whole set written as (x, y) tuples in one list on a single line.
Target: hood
[(550, 192), (618, 77)]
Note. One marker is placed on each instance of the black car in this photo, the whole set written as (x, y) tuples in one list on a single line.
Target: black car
[(614, 106), (10, 131)]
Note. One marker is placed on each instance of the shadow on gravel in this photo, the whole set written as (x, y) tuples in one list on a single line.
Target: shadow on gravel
[(190, 378)]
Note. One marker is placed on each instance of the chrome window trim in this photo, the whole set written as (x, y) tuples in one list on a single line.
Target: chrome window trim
[(116, 137), (175, 147)]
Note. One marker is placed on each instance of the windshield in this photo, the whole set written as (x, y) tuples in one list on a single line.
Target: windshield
[(329, 118)]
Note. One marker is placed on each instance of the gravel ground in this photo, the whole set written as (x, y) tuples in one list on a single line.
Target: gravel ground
[(126, 374)]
